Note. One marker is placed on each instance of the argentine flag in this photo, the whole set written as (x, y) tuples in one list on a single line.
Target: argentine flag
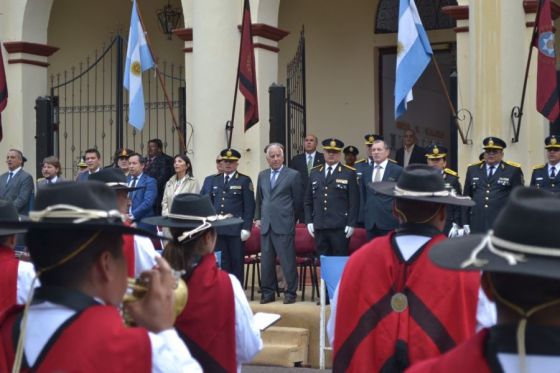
[(138, 59), (413, 54)]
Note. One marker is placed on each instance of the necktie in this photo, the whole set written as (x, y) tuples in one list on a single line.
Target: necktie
[(490, 171), (552, 172), (273, 178), (377, 176), (226, 183), (132, 185), (309, 163), (10, 174), (329, 172), (49, 181)]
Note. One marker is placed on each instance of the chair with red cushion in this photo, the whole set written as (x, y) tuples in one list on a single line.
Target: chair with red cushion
[(253, 259), (305, 259), (358, 239)]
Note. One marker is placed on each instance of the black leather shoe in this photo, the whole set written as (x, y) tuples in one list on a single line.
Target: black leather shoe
[(289, 299), (265, 300)]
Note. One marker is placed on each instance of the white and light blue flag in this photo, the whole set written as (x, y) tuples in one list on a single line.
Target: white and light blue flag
[(138, 59), (413, 54)]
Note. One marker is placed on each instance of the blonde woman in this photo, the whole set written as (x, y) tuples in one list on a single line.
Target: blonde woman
[(182, 182)]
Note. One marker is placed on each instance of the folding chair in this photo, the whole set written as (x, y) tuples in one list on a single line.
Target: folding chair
[(331, 271)]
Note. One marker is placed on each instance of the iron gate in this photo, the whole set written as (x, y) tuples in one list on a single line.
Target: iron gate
[(296, 107), (90, 111)]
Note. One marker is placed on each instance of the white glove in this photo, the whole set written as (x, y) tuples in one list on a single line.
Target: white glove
[(349, 231), (310, 229), (245, 234), (454, 231), (467, 229)]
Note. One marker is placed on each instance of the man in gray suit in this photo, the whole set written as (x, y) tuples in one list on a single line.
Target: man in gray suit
[(51, 171), (378, 208), (279, 193), (16, 185)]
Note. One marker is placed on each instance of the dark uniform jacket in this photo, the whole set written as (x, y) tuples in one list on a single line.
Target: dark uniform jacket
[(454, 213), (332, 203), (378, 208), (541, 178), (299, 163), (237, 199), (491, 194), (361, 166), (160, 168)]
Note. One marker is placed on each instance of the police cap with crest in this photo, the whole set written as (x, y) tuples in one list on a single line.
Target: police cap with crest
[(351, 150), (370, 138), (552, 142), (333, 144), (493, 143), (230, 155), (124, 153), (435, 151)]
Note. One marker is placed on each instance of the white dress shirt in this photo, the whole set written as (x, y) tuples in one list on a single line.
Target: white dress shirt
[(556, 169), (333, 167), (144, 255), (26, 274), (383, 166), (407, 153)]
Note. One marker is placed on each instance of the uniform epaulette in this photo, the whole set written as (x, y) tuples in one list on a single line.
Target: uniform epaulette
[(450, 172), (360, 161), (319, 165), (392, 160), (538, 166), (514, 164), (349, 167), (240, 174), (476, 163)]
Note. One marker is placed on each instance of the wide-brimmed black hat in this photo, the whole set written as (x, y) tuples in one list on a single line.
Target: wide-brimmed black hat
[(8, 212), (85, 206), (524, 240), (113, 177), (191, 210), (421, 183)]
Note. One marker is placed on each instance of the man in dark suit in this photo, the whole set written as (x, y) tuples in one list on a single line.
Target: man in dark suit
[(489, 183), (545, 176), (331, 202), (410, 152), (51, 172), (378, 208), (16, 185), (303, 163), (142, 200), (436, 156), (231, 192), (279, 192), (361, 167), (159, 166), (207, 184), (93, 163)]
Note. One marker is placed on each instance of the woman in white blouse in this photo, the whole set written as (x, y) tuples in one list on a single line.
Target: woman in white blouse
[(182, 182)]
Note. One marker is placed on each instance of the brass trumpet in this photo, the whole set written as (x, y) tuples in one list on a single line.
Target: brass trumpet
[(137, 289)]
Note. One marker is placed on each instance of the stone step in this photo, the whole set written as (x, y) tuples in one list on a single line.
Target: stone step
[(283, 346)]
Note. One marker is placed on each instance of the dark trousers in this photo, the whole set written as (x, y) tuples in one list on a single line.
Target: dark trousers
[(233, 252), (282, 246), (376, 232), (331, 242)]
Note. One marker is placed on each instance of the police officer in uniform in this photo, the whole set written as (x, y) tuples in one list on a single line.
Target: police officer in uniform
[(331, 202), (436, 156), (489, 183), (545, 176), (350, 155), (361, 166), (231, 192)]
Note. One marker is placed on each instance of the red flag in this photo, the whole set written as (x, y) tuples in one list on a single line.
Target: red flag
[(246, 70), (547, 91), (3, 91)]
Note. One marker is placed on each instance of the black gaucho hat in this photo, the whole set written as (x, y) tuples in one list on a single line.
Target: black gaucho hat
[(421, 183), (230, 155), (333, 144), (524, 239), (112, 177), (8, 213), (493, 143), (193, 213), (351, 150), (86, 206), (371, 137), (552, 142)]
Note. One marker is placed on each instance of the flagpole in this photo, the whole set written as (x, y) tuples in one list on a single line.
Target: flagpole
[(517, 111), (229, 125), (182, 142), (451, 107)]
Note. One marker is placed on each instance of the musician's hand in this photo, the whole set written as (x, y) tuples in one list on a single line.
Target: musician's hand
[(155, 311), (258, 223)]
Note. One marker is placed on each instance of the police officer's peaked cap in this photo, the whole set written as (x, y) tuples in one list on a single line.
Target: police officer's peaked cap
[(124, 153), (333, 144), (494, 143), (552, 142), (351, 150), (435, 151), (230, 154), (370, 138)]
